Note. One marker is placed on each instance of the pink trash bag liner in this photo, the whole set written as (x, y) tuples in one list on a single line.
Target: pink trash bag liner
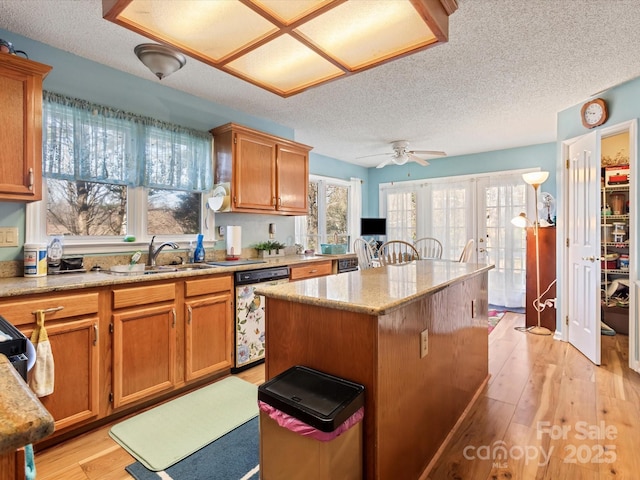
[(301, 428)]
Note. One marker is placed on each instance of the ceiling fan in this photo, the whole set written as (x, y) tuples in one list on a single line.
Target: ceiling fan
[(401, 154)]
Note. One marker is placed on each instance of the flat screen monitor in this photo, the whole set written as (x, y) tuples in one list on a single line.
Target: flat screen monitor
[(373, 226)]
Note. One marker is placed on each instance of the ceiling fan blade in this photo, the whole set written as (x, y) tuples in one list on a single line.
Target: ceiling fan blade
[(419, 160), (375, 155), (385, 163), (435, 153)]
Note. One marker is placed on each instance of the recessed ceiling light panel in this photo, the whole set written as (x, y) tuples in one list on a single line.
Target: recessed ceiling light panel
[(288, 46)]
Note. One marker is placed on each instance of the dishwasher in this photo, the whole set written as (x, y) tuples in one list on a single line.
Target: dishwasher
[(250, 312)]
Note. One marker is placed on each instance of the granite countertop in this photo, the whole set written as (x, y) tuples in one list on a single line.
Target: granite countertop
[(51, 283), (376, 291), (23, 419)]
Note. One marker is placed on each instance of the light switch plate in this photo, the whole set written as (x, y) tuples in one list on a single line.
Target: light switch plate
[(8, 236)]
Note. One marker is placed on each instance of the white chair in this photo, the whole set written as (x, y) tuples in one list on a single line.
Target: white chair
[(397, 252), (467, 251), (366, 254), (428, 247)]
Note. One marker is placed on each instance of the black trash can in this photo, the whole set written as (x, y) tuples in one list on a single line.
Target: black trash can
[(310, 426)]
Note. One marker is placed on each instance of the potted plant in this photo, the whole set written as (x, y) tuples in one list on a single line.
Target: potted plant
[(270, 249)]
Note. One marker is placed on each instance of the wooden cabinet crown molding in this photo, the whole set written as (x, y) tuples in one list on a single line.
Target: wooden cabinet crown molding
[(265, 173), (21, 141)]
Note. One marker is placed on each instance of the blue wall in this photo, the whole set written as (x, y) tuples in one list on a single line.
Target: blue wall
[(78, 77), (543, 156)]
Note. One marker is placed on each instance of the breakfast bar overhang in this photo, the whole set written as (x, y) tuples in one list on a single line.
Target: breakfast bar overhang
[(415, 335)]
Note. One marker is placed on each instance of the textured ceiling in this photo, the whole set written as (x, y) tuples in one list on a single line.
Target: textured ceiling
[(508, 68)]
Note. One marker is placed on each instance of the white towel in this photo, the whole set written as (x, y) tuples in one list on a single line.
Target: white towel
[(42, 374)]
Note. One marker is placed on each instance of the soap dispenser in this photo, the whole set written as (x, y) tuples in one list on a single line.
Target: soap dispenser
[(198, 255)]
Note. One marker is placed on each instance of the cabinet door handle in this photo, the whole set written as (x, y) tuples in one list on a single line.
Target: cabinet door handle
[(30, 179), (190, 310), (50, 310), (591, 258), (273, 200), (95, 333), (279, 201), (173, 311)]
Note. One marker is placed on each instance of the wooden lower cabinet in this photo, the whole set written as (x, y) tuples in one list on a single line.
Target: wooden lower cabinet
[(119, 347), (144, 353), (144, 325), (72, 323), (547, 245), (208, 326)]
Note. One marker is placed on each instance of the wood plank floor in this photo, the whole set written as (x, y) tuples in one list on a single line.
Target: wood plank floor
[(554, 413)]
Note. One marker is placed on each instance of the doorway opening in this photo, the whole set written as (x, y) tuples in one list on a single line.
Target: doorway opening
[(597, 265)]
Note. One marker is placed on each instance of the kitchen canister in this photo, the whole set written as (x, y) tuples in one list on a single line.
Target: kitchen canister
[(35, 259)]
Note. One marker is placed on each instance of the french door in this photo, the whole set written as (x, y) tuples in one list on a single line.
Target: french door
[(456, 209)]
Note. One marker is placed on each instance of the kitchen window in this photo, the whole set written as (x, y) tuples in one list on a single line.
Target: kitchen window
[(329, 213), (108, 174)]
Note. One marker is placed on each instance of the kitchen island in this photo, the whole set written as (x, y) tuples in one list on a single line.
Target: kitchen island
[(414, 335)]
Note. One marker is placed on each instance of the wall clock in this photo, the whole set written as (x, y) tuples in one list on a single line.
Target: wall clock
[(594, 113)]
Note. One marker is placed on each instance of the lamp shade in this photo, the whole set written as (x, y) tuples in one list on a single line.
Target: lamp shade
[(160, 59), (521, 221), (535, 178)]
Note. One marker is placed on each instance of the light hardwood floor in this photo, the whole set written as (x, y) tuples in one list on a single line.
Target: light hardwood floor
[(556, 415)]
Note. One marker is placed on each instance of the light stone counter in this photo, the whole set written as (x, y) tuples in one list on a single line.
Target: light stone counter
[(23, 419), (376, 291), (52, 283)]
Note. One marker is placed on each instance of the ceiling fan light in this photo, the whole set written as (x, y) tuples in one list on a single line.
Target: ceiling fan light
[(400, 158), (160, 59)]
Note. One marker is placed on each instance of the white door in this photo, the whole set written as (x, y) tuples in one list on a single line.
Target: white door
[(583, 240)]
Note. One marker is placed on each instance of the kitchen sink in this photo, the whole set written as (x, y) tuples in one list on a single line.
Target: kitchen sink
[(184, 267), (147, 270)]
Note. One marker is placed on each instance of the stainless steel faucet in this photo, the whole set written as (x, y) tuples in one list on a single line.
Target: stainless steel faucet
[(153, 254)]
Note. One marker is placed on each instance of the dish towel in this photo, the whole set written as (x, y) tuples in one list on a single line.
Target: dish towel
[(29, 463), (42, 376)]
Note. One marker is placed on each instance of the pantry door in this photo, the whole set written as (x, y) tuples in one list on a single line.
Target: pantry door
[(583, 242)]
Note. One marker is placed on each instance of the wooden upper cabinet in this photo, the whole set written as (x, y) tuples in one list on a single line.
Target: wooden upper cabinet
[(21, 132), (266, 174)]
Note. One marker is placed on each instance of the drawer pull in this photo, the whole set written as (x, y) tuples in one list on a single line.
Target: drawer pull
[(49, 310), (313, 271)]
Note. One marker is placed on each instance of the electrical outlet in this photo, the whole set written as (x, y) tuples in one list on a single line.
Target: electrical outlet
[(424, 343)]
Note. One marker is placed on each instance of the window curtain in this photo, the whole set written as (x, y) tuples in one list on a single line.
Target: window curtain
[(85, 141), (399, 207), (452, 208), (505, 198), (355, 209)]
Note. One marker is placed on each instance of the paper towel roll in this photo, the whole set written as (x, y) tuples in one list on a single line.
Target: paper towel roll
[(234, 241)]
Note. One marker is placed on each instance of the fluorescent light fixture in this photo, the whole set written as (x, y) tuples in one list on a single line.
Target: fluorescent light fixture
[(287, 47)]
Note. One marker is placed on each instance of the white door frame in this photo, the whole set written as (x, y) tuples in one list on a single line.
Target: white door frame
[(562, 264)]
